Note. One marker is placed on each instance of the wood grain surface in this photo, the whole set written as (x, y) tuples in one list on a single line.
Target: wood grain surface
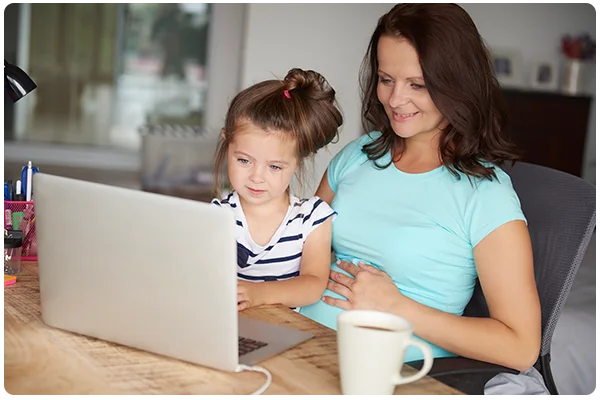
[(43, 360)]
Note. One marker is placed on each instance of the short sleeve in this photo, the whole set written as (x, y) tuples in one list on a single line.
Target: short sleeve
[(316, 212), (494, 203), (229, 199), (348, 157)]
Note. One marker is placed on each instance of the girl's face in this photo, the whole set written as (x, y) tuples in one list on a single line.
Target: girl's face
[(402, 92), (261, 164)]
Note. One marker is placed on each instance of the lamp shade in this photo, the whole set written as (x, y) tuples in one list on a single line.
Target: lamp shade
[(16, 82)]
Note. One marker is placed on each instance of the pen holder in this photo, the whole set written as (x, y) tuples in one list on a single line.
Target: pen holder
[(20, 215), (13, 241)]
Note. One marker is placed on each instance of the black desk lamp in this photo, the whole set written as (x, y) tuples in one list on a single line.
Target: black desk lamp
[(16, 82)]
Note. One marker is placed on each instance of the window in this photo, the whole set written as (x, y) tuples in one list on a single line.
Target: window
[(103, 70)]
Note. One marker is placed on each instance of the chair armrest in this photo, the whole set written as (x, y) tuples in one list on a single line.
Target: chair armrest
[(465, 374), (461, 365)]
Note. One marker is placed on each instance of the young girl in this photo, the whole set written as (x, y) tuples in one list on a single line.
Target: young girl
[(284, 243)]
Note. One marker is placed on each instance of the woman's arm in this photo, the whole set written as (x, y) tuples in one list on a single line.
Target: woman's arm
[(512, 334), (504, 262), (305, 289), (324, 190)]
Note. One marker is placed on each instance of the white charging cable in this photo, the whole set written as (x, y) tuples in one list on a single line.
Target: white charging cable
[(257, 369)]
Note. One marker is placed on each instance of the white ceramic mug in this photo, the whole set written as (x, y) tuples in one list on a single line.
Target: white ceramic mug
[(371, 348)]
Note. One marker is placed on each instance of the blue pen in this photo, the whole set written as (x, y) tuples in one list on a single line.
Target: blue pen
[(24, 179), (27, 172), (6, 192), (11, 190)]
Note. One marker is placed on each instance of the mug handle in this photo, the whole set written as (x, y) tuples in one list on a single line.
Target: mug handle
[(427, 363)]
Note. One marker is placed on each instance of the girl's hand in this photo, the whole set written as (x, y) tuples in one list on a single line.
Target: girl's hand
[(245, 294), (370, 289)]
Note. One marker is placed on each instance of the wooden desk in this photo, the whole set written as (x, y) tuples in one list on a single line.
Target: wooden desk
[(43, 360)]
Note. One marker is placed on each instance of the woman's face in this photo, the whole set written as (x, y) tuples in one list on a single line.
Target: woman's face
[(402, 92)]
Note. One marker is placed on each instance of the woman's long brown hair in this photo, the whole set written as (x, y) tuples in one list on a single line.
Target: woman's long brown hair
[(460, 79)]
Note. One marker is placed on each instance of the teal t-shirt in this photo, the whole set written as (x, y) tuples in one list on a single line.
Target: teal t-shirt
[(418, 228)]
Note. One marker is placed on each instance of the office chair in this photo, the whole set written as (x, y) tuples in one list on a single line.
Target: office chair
[(561, 215)]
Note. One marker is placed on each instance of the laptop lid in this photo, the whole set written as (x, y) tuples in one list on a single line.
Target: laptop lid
[(153, 272)]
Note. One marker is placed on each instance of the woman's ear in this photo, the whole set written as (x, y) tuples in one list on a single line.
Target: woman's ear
[(223, 133)]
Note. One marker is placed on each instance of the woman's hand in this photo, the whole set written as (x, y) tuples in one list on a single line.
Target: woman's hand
[(246, 294), (370, 289)]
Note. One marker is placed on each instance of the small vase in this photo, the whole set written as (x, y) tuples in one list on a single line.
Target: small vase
[(573, 77)]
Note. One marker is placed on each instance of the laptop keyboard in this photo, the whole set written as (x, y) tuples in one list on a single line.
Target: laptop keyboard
[(246, 345)]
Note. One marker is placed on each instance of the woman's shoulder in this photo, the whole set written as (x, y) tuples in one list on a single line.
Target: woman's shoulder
[(492, 203), (352, 153), (501, 180), (472, 190), (364, 139), (485, 191)]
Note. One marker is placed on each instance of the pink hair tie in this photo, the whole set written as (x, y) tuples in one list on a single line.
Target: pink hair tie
[(287, 94)]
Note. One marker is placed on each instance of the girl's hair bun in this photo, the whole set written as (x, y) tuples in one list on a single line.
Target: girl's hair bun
[(308, 83)]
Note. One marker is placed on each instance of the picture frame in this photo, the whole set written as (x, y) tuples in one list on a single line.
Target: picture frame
[(544, 75), (508, 66)]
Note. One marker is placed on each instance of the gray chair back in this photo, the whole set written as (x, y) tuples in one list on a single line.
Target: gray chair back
[(561, 215)]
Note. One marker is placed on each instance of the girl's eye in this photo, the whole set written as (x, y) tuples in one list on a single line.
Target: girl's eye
[(275, 167), (243, 161), (417, 86)]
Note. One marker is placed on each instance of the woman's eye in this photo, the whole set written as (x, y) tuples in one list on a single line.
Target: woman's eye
[(243, 161), (385, 81), (275, 167), (417, 86)]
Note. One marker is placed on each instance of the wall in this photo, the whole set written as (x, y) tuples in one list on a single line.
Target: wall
[(328, 38), (225, 52), (534, 29)]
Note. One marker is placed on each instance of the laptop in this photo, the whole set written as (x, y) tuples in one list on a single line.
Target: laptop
[(149, 271)]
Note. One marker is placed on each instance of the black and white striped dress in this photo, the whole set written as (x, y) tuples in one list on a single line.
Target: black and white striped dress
[(280, 258)]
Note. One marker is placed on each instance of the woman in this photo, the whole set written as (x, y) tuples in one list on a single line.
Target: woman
[(423, 207)]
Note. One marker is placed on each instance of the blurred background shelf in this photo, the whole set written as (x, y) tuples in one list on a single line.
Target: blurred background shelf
[(550, 128)]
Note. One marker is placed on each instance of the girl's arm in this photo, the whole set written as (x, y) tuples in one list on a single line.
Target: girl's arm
[(314, 269), (305, 289), (314, 273)]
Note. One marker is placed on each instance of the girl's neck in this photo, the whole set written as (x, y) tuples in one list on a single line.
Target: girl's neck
[(274, 206)]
